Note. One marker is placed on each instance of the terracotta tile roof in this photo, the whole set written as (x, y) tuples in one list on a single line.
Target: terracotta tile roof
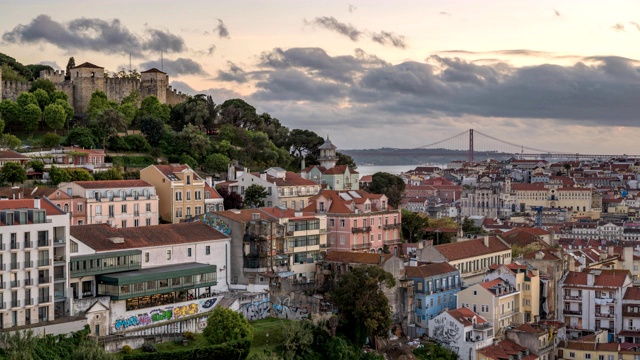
[(106, 184), (280, 213), (7, 154), (527, 187), (290, 179), (591, 346), (244, 215), (465, 315), (469, 248), (339, 170), (428, 270), (607, 278), (347, 257), (574, 189), (87, 65), (505, 349), (45, 204), (547, 255), (213, 193), (528, 328), (98, 236), (492, 283), (366, 179), (632, 293), (521, 238), (170, 169)]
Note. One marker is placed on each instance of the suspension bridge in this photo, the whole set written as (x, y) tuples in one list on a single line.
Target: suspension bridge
[(473, 141)]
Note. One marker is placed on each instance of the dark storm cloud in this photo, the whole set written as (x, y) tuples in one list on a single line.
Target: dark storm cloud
[(221, 30), (163, 41), (331, 23), (179, 66), (218, 95), (234, 74), (294, 85), (93, 34), (514, 52), (389, 38)]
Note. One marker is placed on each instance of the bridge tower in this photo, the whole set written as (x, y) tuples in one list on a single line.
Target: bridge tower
[(470, 154)]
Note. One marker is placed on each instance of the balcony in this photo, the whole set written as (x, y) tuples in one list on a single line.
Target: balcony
[(44, 262), (59, 242), (136, 213), (391, 226), (15, 303), (15, 265), (29, 301), (572, 298), (29, 282), (361, 229), (44, 280), (483, 326), (3, 305), (59, 276), (603, 315), (15, 245), (14, 283), (509, 312), (57, 260), (3, 285), (28, 244), (28, 264), (605, 300), (395, 242), (361, 246), (45, 299), (43, 242), (572, 312)]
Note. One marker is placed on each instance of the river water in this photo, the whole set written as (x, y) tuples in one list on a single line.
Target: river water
[(391, 169)]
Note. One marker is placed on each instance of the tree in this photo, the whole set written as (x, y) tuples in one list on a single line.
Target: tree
[(58, 95), (10, 141), (240, 114), (390, 185), (363, 309), (152, 107), (43, 98), (111, 174), (152, 129), (302, 142), (468, 226), (19, 345), (13, 173), (344, 159), (10, 113), (44, 84), (189, 160), (431, 351), (107, 124), (70, 65), (57, 175), (225, 325), (413, 225), (194, 141), (68, 110), (216, 163), (129, 111), (55, 117), (36, 165), (517, 250), (81, 136), (31, 117), (98, 103), (79, 174), (231, 200), (254, 196), (51, 140), (25, 99), (297, 338)]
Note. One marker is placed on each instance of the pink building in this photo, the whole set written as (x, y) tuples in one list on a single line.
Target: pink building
[(119, 203), (358, 220)]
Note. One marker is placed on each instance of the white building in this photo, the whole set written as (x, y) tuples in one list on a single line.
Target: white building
[(462, 331), (33, 254), (146, 276)]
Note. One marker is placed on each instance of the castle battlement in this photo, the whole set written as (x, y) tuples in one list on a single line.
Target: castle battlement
[(55, 76)]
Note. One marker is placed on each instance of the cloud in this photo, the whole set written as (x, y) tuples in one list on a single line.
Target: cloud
[(514, 52), (294, 85), (211, 49), (388, 38), (93, 34), (179, 66), (235, 74), (53, 64), (218, 95), (221, 30), (330, 23), (352, 8), (618, 27)]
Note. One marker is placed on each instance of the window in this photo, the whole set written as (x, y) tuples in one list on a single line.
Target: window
[(207, 250), (188, 180), (178, 195), (198, 195), (419, 285), (341, 223), (74, 246), (198, 210), (188, 211), (587, 356), (148, 222), (341, 239), (112, 211), (179, 212), (146, 257), (80, 207), (419, 304), (123, 208), (188, 195), (98, 209), (189, 252), (168, 254), (136, 222), (124, 224)]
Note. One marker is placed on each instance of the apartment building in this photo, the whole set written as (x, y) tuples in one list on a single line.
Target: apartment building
[(358, 220), (126, 275), (527, 280), (592, 299), (119, 203), (462, 331), (472, 257), (33, 261), (179, 188)]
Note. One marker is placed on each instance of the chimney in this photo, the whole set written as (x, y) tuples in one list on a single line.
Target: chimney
[(591, 279), (36, 202), (486, 240), (381, 259), (263, 176)]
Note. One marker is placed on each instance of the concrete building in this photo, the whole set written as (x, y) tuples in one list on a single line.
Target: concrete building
[(180, 190), (461, 331), (435, 287), (481, 200), (126, 275), (118, 203), (527, 280), (34, 235), (358, 221), (472, 257), (540, 338), (552, 265), (592, 299)]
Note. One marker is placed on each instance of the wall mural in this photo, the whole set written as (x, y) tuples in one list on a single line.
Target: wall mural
[(280, 309), (216, 223), (447, 332), (161, 314)]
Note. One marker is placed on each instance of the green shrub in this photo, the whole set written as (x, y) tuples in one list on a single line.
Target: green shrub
[(237, 349), (149, 348), (127, 349), (189, 335)]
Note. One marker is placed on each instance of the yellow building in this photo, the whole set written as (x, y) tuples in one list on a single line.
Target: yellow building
[(591, 347), (527, 281), (497, 300), (180, 189), (573, 199)]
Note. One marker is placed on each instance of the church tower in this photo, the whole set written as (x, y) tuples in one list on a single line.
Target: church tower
[(328, 157)]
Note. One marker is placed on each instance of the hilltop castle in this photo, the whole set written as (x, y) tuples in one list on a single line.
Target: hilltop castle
[(87, 78)]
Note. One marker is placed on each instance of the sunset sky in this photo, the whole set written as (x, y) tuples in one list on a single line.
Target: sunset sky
[(555, 75)]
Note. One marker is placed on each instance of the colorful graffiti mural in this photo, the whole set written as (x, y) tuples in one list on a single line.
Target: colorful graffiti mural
[(158, 315), (215, 222)]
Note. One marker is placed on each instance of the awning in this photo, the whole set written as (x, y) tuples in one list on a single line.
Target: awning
[(286, 273)]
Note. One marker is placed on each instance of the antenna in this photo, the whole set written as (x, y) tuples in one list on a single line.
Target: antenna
[(161, 60), (129, 63)]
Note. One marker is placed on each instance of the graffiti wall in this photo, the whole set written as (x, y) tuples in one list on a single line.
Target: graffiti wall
[(280, 308), (446, 331), (140, 318)]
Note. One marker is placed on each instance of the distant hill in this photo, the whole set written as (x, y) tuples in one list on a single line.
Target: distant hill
[(391, 156)]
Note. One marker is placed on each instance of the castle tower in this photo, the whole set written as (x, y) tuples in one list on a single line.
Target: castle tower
[(154, 82), (328, 157), (86, 79)]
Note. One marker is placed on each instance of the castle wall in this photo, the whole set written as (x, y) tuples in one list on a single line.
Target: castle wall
[(117, 89), (83, 88), (55, 76), (174, 96), (11, 89)]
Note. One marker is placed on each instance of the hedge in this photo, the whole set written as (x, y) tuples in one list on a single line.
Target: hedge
[(133, 161), (237, 349)]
